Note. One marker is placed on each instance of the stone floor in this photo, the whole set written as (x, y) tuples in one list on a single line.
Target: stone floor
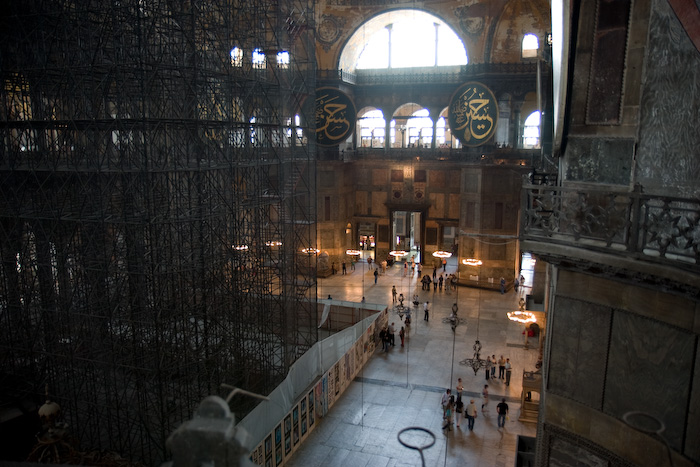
[(402, 387)]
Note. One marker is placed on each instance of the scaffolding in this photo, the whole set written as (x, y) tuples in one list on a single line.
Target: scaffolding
[(157, 187)]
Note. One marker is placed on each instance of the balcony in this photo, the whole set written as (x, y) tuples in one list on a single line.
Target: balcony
[(483, 155), (427, 75), (650, 237)]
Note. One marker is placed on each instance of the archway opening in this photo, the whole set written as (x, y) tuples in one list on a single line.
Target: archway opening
[(403, 39)]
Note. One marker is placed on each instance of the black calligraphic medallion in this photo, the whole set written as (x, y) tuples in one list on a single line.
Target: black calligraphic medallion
[(473, 114), (335, 116)]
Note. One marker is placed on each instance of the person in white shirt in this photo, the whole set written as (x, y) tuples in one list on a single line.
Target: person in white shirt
[(470, 413), (444, 400)]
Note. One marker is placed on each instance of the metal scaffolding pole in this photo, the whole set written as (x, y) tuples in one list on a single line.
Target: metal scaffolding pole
[(155, 195)]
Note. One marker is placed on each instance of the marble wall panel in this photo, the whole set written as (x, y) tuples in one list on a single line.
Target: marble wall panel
[(667, 158), (599, 160), (607, 66), (453, 206), (380, 177), (650, 367), (379, 200), (471, 182), (580, 334)]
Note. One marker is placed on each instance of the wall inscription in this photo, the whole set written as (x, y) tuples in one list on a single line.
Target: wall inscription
[(473, 114)]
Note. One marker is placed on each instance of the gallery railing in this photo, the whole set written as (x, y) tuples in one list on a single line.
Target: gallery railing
[(418, 75), (481, 155), (659, 229)]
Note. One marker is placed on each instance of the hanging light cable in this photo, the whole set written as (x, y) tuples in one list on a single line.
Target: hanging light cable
[(476, 362)]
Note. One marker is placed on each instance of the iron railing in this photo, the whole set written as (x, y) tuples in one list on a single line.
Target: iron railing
[(660, 229)]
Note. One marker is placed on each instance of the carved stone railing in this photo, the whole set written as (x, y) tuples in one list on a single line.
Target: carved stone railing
[(656, 229)]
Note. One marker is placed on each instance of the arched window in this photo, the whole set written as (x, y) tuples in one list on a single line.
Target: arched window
[(440, 132), (294, 125), (420, 129), (372, 129), (530, 46), (259, 60), (407, 38), (531, 131), (237, 56), (283, 59)]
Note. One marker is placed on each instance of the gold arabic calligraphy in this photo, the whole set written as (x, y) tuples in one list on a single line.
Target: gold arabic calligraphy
[(471, 112), (331, 119)]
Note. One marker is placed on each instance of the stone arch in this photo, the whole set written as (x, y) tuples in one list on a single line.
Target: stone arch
[(370, 136), (352, 48), (517, 19)]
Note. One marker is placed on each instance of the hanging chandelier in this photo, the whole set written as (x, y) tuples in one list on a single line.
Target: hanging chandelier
[(442, 254), (476, 362), (472, 262), (398, 253), (520, 316)]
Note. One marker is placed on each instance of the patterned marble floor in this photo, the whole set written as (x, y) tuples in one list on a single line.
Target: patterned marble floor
[(402, 387)]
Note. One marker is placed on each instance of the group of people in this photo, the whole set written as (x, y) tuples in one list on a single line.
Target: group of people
[(449, 281), (388, 336), (517, 283), (454, 407), (505, 368)]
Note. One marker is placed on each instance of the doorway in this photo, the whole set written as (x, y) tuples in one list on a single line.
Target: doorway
[(406, 228)]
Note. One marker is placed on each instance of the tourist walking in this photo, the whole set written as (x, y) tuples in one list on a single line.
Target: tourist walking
[(425, 311), (502, 409), (485, 398), (448, 414), (445, 399), (470, 413), (509, 369), (459, 408)]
